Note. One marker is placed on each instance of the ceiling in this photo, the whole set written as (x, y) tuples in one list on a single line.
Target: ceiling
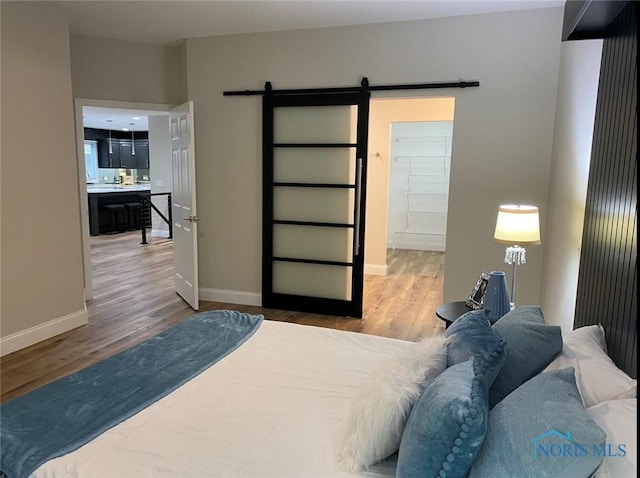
[(168, 22), (117, 119)]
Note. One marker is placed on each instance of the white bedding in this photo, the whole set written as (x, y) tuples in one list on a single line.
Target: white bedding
[(278, 407), (281, 412)]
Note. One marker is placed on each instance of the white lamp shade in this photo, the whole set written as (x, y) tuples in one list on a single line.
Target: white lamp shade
[(518, 225)]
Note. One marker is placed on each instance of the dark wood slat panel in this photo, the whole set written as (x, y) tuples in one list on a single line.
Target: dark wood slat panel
[(607, 285)]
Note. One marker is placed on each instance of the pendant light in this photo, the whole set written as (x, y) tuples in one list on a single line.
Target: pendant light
[(133, 141), (110, 147)]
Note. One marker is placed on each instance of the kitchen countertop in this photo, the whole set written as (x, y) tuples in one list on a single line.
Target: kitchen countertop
[(117, 188)]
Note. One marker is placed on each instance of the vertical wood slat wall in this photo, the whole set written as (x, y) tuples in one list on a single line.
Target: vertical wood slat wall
[(607, 283)]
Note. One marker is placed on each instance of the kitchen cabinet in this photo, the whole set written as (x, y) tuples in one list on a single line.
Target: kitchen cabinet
[(121, 155), (126, 156), (141, 160), (99, 196), (109, 157)]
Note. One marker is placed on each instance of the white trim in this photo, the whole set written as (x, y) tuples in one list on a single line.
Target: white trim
[(231, 296), (416, 247), (82, 186), (41, 332), (375, 269), (160, 233), (84, 207)]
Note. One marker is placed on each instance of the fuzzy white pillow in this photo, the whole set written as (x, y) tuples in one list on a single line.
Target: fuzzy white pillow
[(380, 412)]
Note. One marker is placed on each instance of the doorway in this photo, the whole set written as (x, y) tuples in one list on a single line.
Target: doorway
[(384, 112), (152, 118), (415, 267), (419, 166)]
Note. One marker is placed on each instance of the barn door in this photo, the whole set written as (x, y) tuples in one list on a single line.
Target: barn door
[(314, 192)]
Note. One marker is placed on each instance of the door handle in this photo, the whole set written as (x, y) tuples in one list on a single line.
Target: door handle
[(356, 229), (192, 218)]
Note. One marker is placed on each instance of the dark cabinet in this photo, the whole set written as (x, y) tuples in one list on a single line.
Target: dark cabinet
[(126, 154), (109, 153), (141, 160), (123, 152)]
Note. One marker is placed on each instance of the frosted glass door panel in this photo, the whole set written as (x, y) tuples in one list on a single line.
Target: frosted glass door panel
[(313, 205), (308, 242), (322, 165), (315, 124), (312, 280)]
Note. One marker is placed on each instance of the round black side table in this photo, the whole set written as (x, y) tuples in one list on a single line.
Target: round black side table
[(450, 311)]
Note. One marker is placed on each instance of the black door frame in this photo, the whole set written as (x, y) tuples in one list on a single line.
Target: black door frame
[(270, 299)]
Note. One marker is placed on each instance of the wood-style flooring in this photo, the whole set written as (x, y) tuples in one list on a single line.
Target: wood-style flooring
[(134, 300)]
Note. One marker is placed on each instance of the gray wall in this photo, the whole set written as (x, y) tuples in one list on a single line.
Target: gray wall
[(502, 138), (127, 71), (575, 113), (161, 175), (42, 269), (502, 135)]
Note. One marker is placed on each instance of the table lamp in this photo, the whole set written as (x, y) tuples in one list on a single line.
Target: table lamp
[(517, 225)]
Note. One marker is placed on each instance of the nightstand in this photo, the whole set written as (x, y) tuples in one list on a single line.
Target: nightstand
[(451, 311)]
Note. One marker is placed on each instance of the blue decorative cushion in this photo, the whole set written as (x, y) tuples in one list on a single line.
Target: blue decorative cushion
[(530, 313), (541, 430), (531, 346), (447, 425), (472, 335)]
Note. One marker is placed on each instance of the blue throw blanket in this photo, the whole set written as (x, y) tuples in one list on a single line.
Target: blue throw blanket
[(64, 415)]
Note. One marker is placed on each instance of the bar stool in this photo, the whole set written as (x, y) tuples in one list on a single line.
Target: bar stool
[(133, 210), (117, 218)]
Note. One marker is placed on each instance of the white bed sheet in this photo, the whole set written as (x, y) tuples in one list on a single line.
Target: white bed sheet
[(276, 407)]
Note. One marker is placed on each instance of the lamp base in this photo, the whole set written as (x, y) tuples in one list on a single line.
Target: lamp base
[(514, 255)]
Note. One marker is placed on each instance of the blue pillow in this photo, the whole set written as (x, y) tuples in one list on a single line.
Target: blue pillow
[(447, 425), (531, 346), (541, 429), (473, 335), (531, 313)]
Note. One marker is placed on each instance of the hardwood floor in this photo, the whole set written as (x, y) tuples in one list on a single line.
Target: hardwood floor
[(134, 300)]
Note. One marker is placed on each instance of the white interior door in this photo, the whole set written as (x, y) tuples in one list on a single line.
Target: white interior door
[(185, 219)]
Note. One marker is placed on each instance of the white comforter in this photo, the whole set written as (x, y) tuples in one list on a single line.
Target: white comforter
[(275, 407)]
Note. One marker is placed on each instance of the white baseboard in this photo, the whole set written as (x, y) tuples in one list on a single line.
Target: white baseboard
[(416, 247), (375, 269), (160, 233), (231, 296), (41, 332)]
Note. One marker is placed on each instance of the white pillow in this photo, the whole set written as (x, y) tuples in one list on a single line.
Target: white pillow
[(618, 419), (597, 377), (380, 412)]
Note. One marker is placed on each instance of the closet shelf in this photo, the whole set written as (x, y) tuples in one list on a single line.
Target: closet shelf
[(422, 139), (409, 158), (422, 233)]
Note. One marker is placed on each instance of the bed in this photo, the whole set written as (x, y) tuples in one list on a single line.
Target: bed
[(301, 401), (509, 399)]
